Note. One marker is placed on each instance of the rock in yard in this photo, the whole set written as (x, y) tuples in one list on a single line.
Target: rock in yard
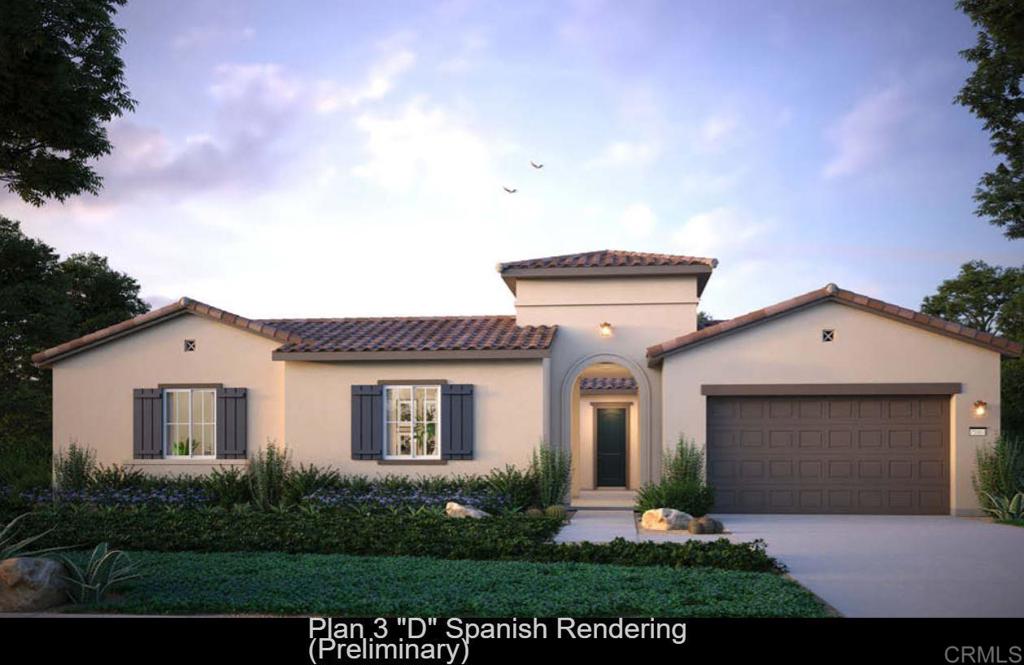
[(452, 509), (29, 584), (664, 519), (696, 527), (710, 524)]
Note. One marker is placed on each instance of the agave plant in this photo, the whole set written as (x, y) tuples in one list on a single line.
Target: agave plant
[(1005, 507), (105, 569), (10, 548)]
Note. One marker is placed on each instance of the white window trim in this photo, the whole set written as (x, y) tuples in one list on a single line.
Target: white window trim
[(191, 423), (387, 429)]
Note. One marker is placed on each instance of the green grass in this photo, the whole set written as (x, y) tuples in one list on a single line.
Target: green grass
[(343, 585)]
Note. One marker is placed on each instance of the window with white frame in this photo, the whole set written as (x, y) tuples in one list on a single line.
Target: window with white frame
[(190, 422), (412, 422)]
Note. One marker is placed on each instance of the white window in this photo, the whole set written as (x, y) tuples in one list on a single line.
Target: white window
[(412, 422), (190, 422)]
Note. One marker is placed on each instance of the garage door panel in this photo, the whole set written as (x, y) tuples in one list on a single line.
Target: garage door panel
[(829, 454)]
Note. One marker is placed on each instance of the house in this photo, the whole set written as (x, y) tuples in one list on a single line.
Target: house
[(831, 402)]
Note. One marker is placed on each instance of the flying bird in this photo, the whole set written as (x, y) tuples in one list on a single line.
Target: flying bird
[(510, 191), (536, 165)]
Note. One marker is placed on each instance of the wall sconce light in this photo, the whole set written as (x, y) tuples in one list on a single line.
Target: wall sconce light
[(980, 408), (605, 329)]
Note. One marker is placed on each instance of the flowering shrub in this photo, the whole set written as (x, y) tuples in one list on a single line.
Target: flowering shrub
[(381, 496), (174, 495)]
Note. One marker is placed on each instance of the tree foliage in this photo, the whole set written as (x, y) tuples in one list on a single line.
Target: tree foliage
[(989, 298), (45, 301), (61, 80), (993, 93)]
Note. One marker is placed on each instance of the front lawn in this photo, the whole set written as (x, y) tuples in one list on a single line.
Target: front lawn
[(343, 585)]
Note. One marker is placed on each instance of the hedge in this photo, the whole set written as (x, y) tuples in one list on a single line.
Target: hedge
[(429, 534)]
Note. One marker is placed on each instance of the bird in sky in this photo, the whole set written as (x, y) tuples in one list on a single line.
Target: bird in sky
[(510, 191), (536, 165)]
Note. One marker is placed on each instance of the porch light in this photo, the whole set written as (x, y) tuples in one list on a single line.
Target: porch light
[(605, 329), (980, 407)]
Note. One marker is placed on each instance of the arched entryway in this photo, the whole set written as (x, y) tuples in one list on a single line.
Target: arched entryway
[(605, 421)]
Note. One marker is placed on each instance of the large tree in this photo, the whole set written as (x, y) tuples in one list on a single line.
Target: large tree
[(45, 301), (993, 93), (61, 81), (989, 298)]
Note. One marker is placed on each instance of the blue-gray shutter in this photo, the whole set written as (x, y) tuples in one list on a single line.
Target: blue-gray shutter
[(147, 423), (232, 423), (367, 422), (457, 421)]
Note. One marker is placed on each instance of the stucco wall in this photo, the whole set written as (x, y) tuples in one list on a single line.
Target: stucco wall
[(867, 349), (584, 450), (643, 310), (508, 401), (92, 391)]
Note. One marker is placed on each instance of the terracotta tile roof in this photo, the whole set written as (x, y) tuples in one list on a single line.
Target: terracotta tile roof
[(609, 383), (441, 333), (833, 293), (156, 315), (607, 258)]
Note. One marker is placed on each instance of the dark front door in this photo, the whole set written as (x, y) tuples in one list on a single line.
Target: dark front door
[(611, 447)]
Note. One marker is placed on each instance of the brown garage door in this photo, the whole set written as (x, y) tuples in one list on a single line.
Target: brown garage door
[(829, 454)]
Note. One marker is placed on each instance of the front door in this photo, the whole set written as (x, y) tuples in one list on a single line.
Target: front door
[(611, 447)]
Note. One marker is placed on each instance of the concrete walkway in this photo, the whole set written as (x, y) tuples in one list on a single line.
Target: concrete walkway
[(870, 565)]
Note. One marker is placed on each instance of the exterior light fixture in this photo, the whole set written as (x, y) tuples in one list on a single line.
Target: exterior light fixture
[(605, 329), (980, 408)]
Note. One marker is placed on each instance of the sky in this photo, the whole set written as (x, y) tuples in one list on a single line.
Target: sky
[(349, 158)]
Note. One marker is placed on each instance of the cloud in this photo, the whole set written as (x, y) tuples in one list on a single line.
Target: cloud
[(717, 231), (708, 182), (255, 106), (424, 148), (203, 36), (717, 129), (638, 219), (379, 82), (620, 154), (864, 136)]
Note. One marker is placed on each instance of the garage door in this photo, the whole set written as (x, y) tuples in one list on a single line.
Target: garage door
[(846, 454)]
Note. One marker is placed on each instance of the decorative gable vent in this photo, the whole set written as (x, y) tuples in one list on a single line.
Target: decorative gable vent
[(190, 345), (828, 335)]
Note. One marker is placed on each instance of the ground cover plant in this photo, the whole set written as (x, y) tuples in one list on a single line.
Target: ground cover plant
[(342, 585)]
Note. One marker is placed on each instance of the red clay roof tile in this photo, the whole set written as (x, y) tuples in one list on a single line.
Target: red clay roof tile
[(607, 258)]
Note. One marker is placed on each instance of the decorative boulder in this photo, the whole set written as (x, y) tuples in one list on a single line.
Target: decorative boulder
[(704, 525), (29, 584), (664, 519), (711, 525), (452, 509)]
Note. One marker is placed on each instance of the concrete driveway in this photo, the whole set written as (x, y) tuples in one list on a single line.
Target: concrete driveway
[(879, 566)]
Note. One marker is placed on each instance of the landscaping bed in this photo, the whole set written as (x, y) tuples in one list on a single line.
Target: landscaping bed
[(419, 533), (342, 585)]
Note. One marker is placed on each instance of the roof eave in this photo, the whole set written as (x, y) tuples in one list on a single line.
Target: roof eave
[(701, 270), (49, 357), (657, 353)]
